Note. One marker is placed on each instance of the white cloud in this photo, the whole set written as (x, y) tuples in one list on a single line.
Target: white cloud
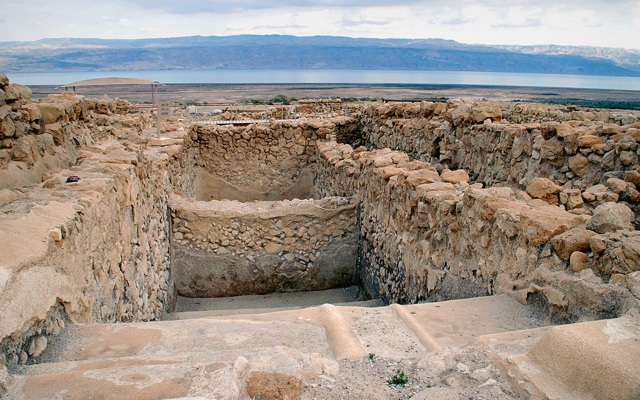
[(589, 22)]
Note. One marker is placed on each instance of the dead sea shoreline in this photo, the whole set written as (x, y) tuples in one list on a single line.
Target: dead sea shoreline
[(230, 93)]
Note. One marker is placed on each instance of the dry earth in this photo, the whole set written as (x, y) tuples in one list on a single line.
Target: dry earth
[(224, 93)]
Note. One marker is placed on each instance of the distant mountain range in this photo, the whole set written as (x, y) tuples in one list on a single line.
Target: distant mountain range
[(315, 52)]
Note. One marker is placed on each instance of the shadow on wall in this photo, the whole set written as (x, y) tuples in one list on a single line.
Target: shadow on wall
[(209, 187)]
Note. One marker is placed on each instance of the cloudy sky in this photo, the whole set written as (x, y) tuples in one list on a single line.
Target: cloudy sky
[(614, 23)]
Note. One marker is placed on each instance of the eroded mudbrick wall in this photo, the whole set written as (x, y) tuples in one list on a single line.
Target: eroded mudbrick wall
[(227, 248)]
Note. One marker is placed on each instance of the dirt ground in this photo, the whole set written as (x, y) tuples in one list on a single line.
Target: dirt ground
[(230, 93)]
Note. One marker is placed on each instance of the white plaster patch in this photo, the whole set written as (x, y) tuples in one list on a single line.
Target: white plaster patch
[(5, 274), (620, 329), (528, 368)]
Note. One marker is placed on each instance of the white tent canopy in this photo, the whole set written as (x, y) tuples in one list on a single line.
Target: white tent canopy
[(113, 81), (117, 81)]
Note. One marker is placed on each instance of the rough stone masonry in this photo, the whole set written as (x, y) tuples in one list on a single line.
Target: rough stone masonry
[(424, 201)]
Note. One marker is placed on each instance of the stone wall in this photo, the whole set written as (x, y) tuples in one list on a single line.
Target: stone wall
[(83, 219), (576, 148), (227, 248), (37, 137), (430, 235), (257, 162), (559, 233)]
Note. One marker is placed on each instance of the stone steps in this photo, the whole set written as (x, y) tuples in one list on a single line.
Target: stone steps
[(213, 356), (264, 310), (189, 308)]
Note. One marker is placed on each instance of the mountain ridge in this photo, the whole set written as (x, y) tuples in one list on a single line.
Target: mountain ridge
[(310, 52)]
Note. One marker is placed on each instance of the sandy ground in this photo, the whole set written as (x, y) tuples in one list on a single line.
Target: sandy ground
[(228, 93)]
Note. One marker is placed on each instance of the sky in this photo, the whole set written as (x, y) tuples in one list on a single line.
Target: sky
[(613, 23)]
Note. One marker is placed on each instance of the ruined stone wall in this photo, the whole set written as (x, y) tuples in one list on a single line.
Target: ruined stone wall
[(429, 235), (227, 248), (510, 145), (257, 162), (37, 137), (93, 249)]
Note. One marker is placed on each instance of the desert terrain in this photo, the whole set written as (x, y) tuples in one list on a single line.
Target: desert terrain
[(231, 93)]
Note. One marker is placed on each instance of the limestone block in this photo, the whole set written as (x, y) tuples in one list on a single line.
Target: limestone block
[(17, 92), (4, 111), (421, 190), (544, 189), (421, 176), (553, 151), (573, 240), (617, 252), (481, 111), (617, 185), (542, 223), (50, 112), (578, 261), (589, 140), (632, 176), (461, 114), (633, 283), (456, 176), (387, 172), (579, 164), (7, 128), (596, 189), (610, 217), (382, 161), (574, 199), (628, 158)]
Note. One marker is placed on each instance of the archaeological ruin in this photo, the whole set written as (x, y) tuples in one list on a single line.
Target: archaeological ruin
[(495, 249)]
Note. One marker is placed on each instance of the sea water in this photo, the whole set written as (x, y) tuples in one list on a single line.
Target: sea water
[(320, 76)]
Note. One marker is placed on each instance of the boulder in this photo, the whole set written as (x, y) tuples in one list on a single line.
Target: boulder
[(544, 189), (589, 140), (433, 187), (50, 112), (415, 178), (484, 110), (17, 92), (616, 253), (617, 185), (632, 176), (579, 164), (611, 217), (573, 240), (578, 261), (456, 176)]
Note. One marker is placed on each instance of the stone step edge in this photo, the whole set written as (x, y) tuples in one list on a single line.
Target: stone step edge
[(181, 315)]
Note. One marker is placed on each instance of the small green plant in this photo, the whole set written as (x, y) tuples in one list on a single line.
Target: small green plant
[(399, 378), (372, 356)]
